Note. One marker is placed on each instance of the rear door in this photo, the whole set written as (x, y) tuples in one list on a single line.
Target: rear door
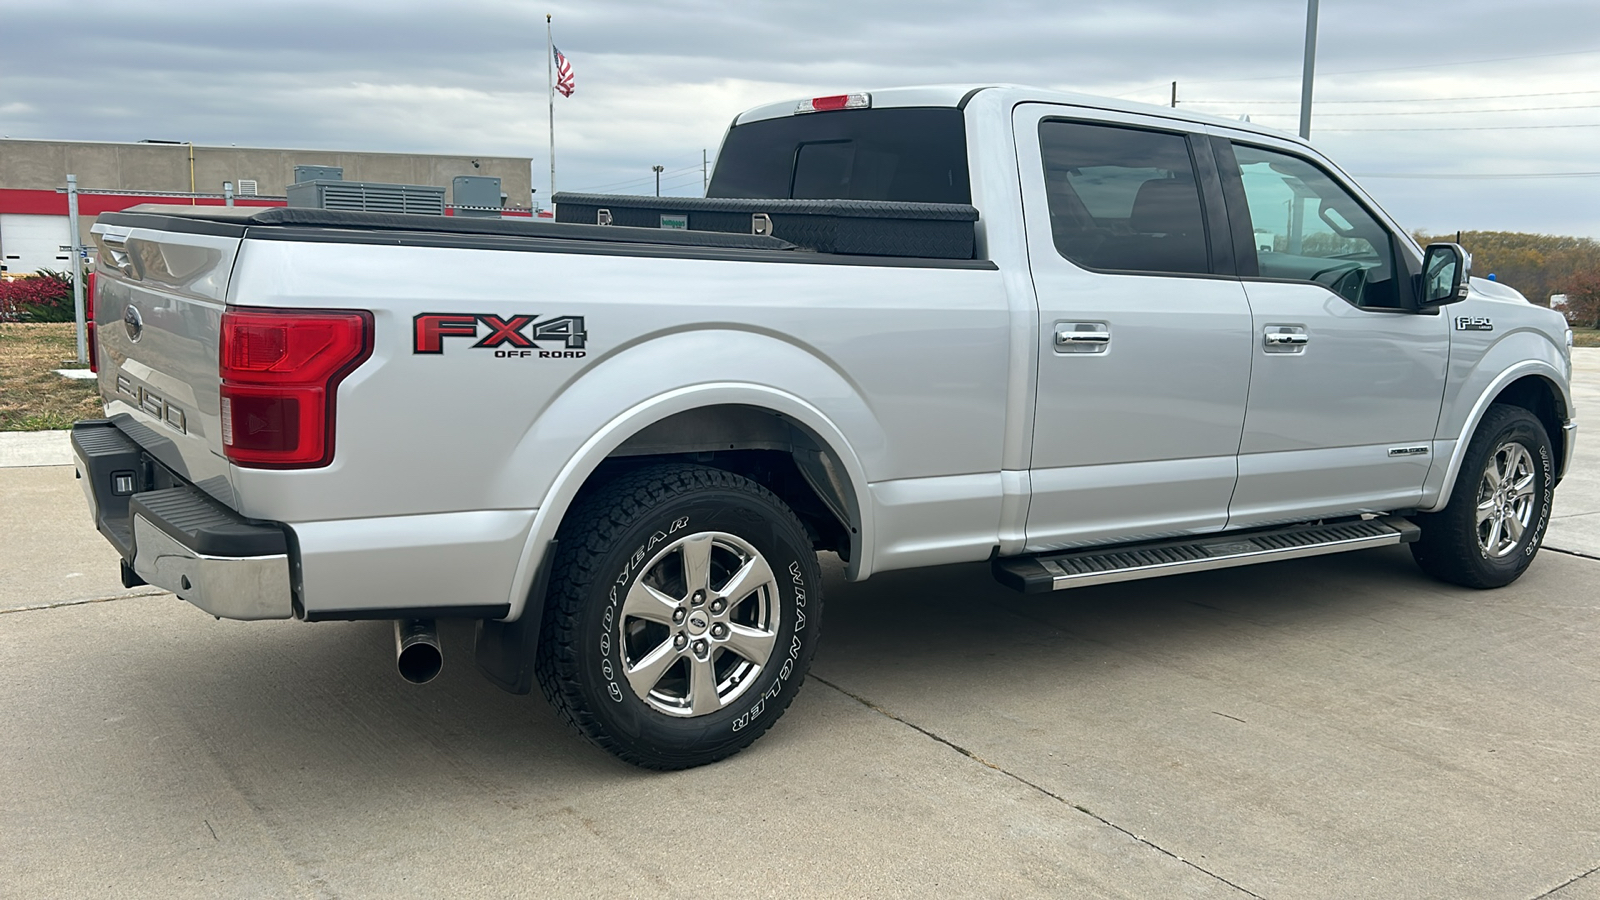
[(1145, 330), (1347, 377)]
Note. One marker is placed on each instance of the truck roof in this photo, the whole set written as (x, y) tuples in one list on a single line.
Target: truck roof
[(957, 95)]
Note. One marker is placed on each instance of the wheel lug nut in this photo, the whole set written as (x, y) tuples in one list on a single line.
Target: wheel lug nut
[(700, 649), (698, 598), (678, 616), (680, 641), (719, 631), (718, 605)]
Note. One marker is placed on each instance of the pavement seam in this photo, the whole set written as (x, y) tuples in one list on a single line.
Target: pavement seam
[(81, 602), (1570, 552), (1570, 881), (1043, 790)]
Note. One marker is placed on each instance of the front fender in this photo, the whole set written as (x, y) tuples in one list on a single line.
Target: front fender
[(1472, 388), (675, 373)]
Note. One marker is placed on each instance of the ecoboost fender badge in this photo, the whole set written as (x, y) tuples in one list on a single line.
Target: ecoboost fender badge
[(512, 337)]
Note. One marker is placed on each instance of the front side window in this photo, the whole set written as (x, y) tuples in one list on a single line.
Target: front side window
[(1123, 199), (1309, 228)]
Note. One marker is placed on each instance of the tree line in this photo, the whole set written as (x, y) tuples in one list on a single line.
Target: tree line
[(1538, 265)]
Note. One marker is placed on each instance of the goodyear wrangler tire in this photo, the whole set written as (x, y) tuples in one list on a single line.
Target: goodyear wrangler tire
[(681, 617), (1495, 521)]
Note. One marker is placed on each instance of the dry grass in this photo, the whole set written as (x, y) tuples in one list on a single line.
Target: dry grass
[(1585, 337), (32, 397)]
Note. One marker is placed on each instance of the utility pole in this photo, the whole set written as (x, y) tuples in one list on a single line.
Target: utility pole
[(77, 265), (705, 177), (1174, 95), (1310, 69), (657, 170)]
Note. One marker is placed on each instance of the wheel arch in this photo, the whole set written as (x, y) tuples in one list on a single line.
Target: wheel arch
[(704, 420), (1533, 385)]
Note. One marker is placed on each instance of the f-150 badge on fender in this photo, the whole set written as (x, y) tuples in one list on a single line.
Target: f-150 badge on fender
[(516, 336), (1474, 323)]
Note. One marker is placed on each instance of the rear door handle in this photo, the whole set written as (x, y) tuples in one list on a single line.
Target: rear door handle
[(1285, 339), (1082, 337)]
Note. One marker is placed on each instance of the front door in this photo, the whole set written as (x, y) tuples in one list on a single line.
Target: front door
[(1145, 332), (1347, 377)]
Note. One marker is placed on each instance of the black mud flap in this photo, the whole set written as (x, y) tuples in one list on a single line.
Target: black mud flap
[(505, 651)]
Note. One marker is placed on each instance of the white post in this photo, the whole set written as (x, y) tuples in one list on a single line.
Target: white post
[(1310, 68), (77, 266), (227, 193), (550, 89)]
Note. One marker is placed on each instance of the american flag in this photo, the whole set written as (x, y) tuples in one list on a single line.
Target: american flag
[(563, 73)]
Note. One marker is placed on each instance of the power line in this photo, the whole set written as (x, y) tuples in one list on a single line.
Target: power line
[(1405, 100), (1468, 62), (1446, 176), (1440, 112), (1463, 128)]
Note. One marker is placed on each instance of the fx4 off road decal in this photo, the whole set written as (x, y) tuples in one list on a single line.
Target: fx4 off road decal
[(513, 337)]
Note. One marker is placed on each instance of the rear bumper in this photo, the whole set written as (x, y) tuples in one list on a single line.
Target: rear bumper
[(176, 537)]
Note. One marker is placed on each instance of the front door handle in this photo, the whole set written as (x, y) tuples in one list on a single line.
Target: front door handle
[(1282, 338), (1082, 337)]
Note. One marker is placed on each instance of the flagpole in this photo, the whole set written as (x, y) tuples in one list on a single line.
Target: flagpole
[(550, 90)]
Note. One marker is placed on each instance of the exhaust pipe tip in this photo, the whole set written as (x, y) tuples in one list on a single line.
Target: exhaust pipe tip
[(417, 655)]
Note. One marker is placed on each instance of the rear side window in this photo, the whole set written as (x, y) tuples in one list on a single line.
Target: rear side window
[(1123, 199), (909, 155)]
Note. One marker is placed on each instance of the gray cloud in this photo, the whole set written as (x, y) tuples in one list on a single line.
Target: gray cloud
[(658, 82)]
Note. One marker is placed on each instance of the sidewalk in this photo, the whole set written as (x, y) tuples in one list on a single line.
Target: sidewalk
[(35, 448)]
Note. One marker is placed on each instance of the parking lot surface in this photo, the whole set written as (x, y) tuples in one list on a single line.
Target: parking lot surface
[(1333, 727)]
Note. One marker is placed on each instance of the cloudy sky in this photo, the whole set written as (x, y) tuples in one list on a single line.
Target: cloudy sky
[(1463, 115)]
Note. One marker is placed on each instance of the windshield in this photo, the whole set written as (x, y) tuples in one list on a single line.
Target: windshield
[(909, 155)]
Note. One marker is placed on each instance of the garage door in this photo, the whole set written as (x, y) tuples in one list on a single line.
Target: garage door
[(31, 243)]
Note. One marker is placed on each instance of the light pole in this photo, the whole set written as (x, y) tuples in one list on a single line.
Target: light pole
[(1310, 68), (657, 170)]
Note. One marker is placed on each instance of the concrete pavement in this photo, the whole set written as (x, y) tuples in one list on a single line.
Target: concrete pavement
[(1575, 519), (1336, 727)]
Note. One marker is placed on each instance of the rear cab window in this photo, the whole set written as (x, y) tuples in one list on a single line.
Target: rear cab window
[(910, 155), (1123, 199)]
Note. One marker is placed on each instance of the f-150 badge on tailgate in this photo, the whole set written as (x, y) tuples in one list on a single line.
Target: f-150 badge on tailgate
[(512, 336)]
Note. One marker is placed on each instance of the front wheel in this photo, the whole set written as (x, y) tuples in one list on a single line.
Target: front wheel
[(682, 615), (1496, 519)]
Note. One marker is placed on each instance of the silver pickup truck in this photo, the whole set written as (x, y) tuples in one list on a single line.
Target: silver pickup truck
[(1082, 339)]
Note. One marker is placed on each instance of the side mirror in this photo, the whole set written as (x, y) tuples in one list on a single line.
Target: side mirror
[(1444, 275)]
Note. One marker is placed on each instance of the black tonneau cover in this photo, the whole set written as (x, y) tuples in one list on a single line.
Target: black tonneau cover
[(527, 235)]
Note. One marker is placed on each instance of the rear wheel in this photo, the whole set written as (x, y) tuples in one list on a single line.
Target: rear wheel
[(1496, 519), (682, 615)]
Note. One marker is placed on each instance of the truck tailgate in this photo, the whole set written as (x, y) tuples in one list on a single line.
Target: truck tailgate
[(160, 298)]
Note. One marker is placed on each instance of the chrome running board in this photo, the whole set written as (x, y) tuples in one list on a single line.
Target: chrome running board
[(1126, 562)]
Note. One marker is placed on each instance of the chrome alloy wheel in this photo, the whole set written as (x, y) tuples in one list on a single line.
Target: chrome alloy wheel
[(699, 623), (1505, 500)]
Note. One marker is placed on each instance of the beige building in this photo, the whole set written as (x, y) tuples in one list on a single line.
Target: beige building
[(113, 176)]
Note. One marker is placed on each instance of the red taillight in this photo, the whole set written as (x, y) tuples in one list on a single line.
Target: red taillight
[(88, 318), (837, 101), (280, 374)]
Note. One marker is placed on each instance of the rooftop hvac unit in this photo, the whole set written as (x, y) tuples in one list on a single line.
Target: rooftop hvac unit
[(367, 196), (318, 173), (247, 187)]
